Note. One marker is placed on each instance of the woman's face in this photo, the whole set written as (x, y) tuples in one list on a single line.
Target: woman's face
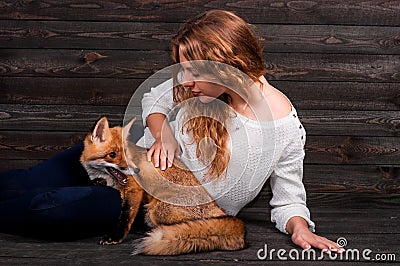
[(206, 91)]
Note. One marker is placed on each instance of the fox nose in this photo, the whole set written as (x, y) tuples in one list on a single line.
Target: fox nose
[(136, 170)]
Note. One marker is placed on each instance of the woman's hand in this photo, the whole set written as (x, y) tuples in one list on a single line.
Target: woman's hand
[(306, 239), (164, 150)]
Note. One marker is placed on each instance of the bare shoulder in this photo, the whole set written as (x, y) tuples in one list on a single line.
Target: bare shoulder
[(278, 103)]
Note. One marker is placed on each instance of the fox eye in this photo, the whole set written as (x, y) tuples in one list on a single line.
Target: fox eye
[(112, 154)]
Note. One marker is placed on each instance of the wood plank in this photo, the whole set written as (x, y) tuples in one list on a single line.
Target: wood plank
[(86, 35), (20, 249), (359, 179), (70, 63), (330, 39), (338, 200), (76, 117), (49, 90), (351, 178), (156, 36), (357, 150), (317, 178), (341, 95), (36, 145), (358, 123), (118, 91), (296, 12), (333, 67), (118, 64), (352, 150), (10, 164), (339, 221)]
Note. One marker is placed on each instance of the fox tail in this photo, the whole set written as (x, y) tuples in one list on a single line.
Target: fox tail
[(222, 233)]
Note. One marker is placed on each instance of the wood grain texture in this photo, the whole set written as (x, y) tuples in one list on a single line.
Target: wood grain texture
[(270, 11), (55, 91), (354, 123), (70, 63), (362, 230), (11, 164), (36, 145), (86, 35), (118, 91), (156, 36), (381, 179), (65, 118), (374, 179), (329, 67), (352, 150), (359, 150), (260, 234), (118, 64), (77, 117), (379, 221), (342, 95), (339, 200)]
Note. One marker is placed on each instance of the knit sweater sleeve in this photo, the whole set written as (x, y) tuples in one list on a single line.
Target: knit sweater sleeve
[(158, 100), (289, 195)]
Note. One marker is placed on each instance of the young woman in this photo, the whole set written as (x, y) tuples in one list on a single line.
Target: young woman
[(223, 121), (261, 111)]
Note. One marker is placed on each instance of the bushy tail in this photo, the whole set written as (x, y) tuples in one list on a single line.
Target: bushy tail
[(224, 233)]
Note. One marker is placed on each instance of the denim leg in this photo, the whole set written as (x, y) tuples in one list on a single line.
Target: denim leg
[(61, 170), (62, 213)]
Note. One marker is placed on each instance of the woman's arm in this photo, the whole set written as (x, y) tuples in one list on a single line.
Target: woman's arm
[(289, 200), (158, 100), (156, 105)]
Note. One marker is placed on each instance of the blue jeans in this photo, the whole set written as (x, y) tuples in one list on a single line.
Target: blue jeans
[(55, 199)]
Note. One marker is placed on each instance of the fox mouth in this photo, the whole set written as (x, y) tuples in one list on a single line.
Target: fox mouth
[(118, 175)]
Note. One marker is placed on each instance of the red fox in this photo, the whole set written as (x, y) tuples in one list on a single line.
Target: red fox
[(175, 229)]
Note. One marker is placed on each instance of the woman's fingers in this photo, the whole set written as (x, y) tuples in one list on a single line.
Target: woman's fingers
[(162, 156), (310, 240), (170, 157), (163, 160), (154, 156)]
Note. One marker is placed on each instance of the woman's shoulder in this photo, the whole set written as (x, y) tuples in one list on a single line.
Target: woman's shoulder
[(279, 104)]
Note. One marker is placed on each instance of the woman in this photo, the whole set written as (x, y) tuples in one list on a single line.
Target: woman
[(221, 36)]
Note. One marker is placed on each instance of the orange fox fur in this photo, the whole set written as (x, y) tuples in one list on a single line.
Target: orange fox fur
[(176, 229)]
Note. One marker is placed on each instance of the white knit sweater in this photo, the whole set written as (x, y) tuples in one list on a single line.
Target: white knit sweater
[(259, 151)]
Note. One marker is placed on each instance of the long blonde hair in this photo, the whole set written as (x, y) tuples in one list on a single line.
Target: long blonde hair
[(218, 36)]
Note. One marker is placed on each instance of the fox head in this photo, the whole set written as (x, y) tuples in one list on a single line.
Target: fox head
[(103, 154)]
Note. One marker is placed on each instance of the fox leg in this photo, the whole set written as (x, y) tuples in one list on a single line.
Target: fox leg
[(129, 210)]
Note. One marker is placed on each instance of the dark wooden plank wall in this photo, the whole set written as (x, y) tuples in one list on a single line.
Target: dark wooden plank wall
[(339, 62)]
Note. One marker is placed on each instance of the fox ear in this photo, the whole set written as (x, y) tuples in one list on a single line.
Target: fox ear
[(127, 127), (101, 131)]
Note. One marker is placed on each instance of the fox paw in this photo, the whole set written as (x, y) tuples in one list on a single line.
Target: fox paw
[(108, 240)]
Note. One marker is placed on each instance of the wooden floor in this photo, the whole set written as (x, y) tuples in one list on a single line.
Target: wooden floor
[(372, 232)]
